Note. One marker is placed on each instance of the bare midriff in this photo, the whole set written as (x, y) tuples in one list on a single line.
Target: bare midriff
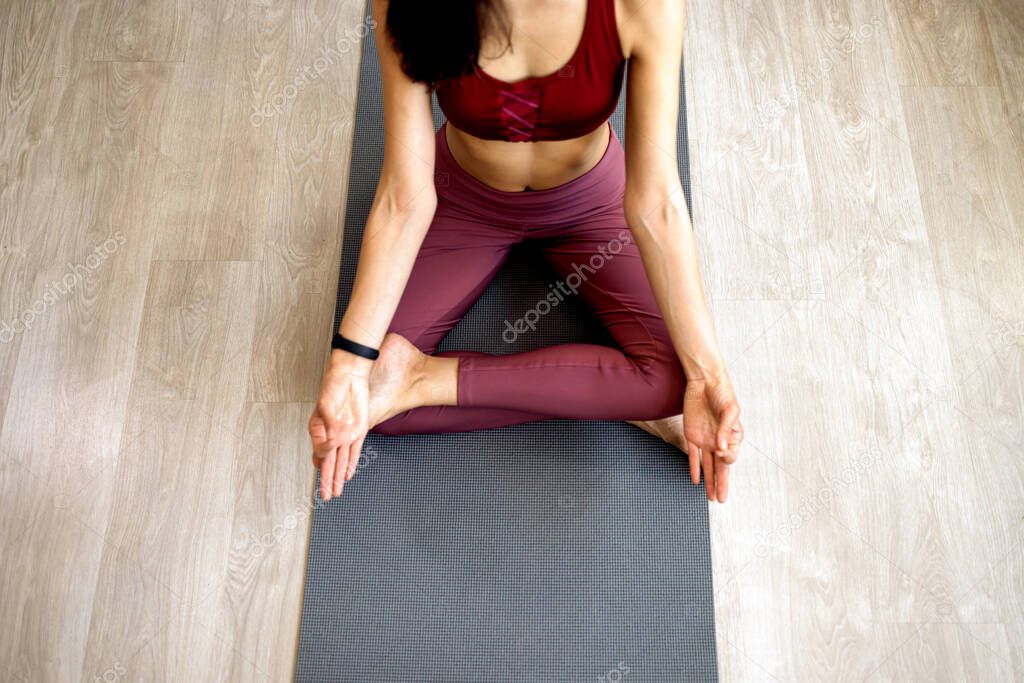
[(517, 166)]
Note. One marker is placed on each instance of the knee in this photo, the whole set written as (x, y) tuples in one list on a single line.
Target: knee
[(663, 394)]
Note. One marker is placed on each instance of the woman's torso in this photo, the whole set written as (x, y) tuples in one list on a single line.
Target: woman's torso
[(553, 45)]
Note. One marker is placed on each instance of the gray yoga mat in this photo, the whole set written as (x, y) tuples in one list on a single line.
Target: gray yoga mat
[(553, 551)]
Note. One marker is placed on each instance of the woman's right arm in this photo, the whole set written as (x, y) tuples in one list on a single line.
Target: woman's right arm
[(402, 210), (404, 203)]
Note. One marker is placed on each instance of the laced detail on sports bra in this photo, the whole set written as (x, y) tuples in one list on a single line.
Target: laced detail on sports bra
[(568, 103)]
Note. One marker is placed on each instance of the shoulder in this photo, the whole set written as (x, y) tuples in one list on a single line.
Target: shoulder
[(646, 24)]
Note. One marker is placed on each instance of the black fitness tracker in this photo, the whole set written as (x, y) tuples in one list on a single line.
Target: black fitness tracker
[(344, 344)]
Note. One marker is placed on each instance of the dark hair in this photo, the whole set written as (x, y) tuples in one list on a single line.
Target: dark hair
[(440, 40)]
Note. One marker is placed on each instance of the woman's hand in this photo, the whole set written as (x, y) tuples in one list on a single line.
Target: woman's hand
[(711, 425), (340, 421)]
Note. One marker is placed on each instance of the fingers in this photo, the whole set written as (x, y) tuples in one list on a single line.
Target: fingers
[(730, 433), (338, 465), (332, 441), (726, 425), (318, 435), (694, 454), (730, 455), (707, 463), (327, 466), (325, 439), (721, 479), (341, 470), (325, 452), (737, 437), (353, 457)]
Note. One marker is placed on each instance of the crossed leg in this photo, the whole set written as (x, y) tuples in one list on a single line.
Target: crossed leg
[(598, 261)]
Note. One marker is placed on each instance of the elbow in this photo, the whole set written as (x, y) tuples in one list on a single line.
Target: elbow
[(403, 209), (655, 214)]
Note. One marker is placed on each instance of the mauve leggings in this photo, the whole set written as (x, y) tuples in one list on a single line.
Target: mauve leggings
[(588, 242)]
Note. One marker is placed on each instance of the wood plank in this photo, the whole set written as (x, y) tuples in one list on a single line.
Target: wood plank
[(1006, 28), (91, 185), (963, 142), (33, 85), (752, 198), (303, 243), (167, 538), (869, 236), (270, 153), (254, 608), (138, 30), (942, 43), (943, 652)]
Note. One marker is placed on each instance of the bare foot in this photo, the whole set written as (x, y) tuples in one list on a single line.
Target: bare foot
[(394, 377), (669, 430)]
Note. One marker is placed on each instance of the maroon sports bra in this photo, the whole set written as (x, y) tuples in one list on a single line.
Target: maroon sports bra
[(569, 103)]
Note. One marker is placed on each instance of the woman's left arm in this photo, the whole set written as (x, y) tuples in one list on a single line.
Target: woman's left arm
[(657, 215)]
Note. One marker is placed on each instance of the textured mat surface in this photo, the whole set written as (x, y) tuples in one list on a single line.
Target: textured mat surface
[(552, 551)]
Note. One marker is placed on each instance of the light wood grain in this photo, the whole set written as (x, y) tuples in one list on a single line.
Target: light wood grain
[(173, 486), (745, 136), (137, 30), (838, 577), (856, 177), (1006, 28), (253, 608), (942, 43)]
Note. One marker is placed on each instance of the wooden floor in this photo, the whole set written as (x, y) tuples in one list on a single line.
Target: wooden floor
[(172, 179)]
